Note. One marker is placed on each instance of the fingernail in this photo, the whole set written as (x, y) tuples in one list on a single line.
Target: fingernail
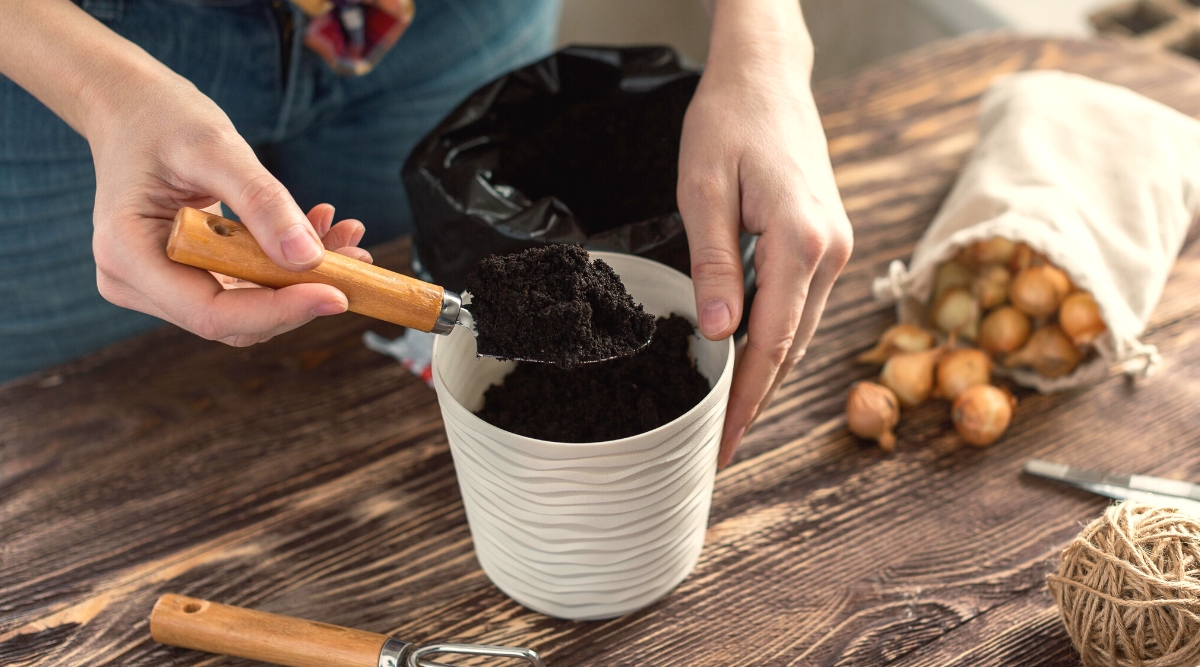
[(298, 246), (328, 308), (714, 317)]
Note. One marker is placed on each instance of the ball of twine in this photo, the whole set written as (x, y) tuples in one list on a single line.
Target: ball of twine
[(1128, 588)]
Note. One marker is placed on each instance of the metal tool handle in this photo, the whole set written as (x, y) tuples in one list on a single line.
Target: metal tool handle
[(213, 243), (257, 635)]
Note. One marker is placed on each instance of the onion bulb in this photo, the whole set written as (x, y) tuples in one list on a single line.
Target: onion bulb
[(990, 287), (898, 338), (957, 312), (1079, 317), (982, 414), (872, 411), (996, 250), (1039, 290), (910, 375), (951, 275), (959, 370), (1049, 352), (1004, 330)]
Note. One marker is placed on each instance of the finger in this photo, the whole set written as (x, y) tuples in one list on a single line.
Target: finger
[(236, 177), (257, 314), (321, 217), (344, 233), (785, 261), (356, 253), (709, 204), (216, 313), (810, 318), (194, 300)]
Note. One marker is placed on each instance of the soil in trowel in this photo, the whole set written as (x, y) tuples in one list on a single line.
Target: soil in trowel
[(552, 304), (601, 401)]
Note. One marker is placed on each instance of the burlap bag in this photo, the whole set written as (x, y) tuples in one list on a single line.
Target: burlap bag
[(1102, 181)]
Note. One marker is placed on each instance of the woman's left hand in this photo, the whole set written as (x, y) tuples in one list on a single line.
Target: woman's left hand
[(754, 157)]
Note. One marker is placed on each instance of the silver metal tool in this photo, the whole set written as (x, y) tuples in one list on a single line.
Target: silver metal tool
[(1183, 496), (210, 242), (201, 625)]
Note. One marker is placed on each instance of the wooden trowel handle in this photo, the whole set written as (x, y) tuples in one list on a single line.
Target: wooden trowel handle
[(257, 635), (210, 242)]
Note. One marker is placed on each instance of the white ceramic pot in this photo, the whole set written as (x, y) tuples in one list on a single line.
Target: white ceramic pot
[(587, 530)]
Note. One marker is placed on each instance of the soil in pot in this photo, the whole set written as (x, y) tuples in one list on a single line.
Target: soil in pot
[(601, 401), (553, 304)]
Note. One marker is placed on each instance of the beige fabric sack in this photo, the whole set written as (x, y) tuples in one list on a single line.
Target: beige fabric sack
[(1101, 180)]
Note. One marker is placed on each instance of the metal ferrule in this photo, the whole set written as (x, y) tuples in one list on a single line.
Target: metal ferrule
[(448, 317), (393, 653)]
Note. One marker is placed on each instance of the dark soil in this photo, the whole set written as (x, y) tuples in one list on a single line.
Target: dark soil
[(603, 401), (552, 304), (611, 161)]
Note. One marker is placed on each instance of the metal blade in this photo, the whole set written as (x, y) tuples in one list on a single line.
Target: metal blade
[(1183, 496), (1078, 476)]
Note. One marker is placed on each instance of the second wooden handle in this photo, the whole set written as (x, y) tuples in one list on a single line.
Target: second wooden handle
[(257, 635), (213, 243)]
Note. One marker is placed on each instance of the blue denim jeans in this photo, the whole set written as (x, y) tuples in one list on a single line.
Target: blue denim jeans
[(327, 138)]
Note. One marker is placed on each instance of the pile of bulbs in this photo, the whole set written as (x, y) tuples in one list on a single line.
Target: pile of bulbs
[(1017, 309)]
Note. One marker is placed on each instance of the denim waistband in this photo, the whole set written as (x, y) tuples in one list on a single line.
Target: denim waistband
[(113, 10)]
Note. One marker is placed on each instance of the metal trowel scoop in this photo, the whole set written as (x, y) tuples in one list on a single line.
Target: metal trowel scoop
[(217, 244)]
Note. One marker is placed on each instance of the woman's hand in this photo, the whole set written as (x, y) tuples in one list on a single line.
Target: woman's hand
[(159, 144), (183, 151), (342, 238), (754, 157)]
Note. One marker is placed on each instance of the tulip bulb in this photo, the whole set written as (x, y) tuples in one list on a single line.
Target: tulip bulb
[(982, 413), (1039, 290), (1049, 352), (958, 370), (910, 375), (872, 411), (1022, 258), (957, 312), (990, 287), (996, 250), (898, 338), (1079, 317), (949, 276), (1004, 330)]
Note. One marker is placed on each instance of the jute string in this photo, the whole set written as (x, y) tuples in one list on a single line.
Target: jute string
[(1128, 588)]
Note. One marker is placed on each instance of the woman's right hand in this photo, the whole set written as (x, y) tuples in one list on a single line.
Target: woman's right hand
[(182, 150), (159, 144)]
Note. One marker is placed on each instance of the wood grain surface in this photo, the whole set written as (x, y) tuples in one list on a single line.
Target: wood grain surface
[(311, 477)]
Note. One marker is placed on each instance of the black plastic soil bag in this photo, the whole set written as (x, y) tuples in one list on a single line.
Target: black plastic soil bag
[(582, 148)]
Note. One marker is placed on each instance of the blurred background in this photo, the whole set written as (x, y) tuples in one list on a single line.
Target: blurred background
[(849, 34)]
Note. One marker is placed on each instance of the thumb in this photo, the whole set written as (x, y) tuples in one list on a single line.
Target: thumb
[(711, 218), (267, 210)]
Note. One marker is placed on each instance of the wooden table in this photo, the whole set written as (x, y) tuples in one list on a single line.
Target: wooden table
[(311, 477)]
